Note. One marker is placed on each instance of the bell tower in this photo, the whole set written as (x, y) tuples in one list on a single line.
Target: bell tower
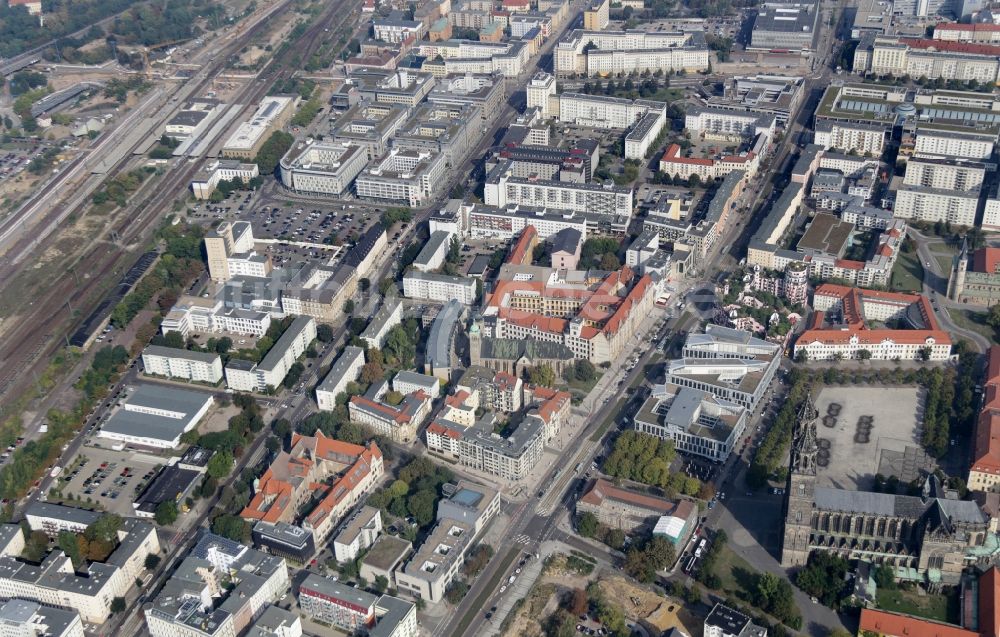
[(801, 486), (956, 283)]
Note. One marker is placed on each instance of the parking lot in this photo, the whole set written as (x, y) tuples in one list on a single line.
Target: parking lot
[(111, 479)]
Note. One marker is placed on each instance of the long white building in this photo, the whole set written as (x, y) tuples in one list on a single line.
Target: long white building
[(609, 52), (182, 363), (442, 288), (408, 176), (322, 168), (271, 371)]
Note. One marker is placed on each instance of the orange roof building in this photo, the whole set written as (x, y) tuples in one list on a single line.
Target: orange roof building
[(984, 474), (880, 622), (594, 320), (841, 326), (304, 472)]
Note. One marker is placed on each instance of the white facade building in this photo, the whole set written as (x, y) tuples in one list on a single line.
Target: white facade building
[(439, 287), (346, 369), (273, 368), (408, 176), (322, 168), (181, 363), (205, 181)]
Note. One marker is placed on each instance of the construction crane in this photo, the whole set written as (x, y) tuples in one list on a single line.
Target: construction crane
[(160, 45)]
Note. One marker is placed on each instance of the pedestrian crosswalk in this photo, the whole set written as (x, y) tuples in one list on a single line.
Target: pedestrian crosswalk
[(522, 539)]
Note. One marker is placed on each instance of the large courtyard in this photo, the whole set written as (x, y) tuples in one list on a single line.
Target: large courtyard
[(867, 430)]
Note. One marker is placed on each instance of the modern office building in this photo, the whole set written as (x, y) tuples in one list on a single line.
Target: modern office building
[(697, 421), (23, 618), (726, 622), (173, 362), (225, 240), (461, 518), (732, 365), (403, 175), (369, 125), (485, 90), (777, 95), (273, 113), (789, 26), (321, 168)]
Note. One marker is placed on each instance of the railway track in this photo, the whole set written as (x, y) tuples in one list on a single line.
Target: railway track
[(41, 329)]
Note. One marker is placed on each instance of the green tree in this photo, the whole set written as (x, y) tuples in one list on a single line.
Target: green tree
[(542, 375), (272, 151), (220, 464), (584, 370), (381, 584), (151, 562), (324, 333), (587, 525), (233, 527), (69, 543), (117, 605), (166, 512), (421, 506)]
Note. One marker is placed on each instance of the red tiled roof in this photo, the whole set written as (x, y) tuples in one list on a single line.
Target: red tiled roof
[(986, 453), (951, 46), (982, 27), (989, 603), (601, 489), (443, 430), (673, 155), (519, 255), (849, 265), (986, 260), (889, 624), (633, 298)]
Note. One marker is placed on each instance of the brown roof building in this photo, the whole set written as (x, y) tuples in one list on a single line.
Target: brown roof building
[(628, 510)]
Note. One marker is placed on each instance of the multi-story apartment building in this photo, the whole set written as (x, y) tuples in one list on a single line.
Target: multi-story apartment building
[(219, 590), (404, 175), (354, 610), (928, 58), (506, 223), (696, 421), (321, 168), (644, 118), (442, 288), (596, 15), (846, 136), (607, 205), (388, 316), (944, 174), (182, 363), (55, 518), (604, 53), (395, 28), (273, 368), (397, 422), (731, 365), (22, 618), (849, 334), (346, 369), (55, 581), (932, 205), (718, 123), (357, 534), (942, 142), (747, 161)]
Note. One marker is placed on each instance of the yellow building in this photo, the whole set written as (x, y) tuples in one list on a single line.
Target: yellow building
[(596, 17)]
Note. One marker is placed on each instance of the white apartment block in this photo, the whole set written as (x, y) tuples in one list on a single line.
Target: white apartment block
[(322, 168), (359, 533), (599, 111), (611, 52), (206, 180), (181, 363), (403, 175), (273, 368), (718, 123), (944, 174), (507, 223), (865, 140), (439, 287), (932, 59), (394, 29), (931, 142), (503, 190), (540, 93), (640, 139), (213, 318), (932, 205), (388, 316), (991, 212), (249, 264), (346, 369), (55, 582)]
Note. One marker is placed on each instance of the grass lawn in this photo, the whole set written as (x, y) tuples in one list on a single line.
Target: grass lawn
[(971, 320), (944, 263), (908, 275), (942, 607), (735, 572)]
